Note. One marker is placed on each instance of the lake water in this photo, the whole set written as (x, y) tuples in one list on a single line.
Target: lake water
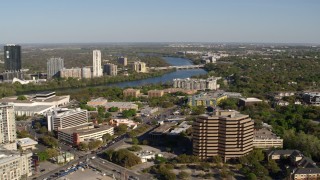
[(184, 73)]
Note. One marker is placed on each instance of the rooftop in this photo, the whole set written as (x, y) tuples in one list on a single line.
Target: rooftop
[(26, 142), (67, 112), (85, 129), (264, 134), (36, 108), (121, 104), (251, 99), (165, 127), (307, 171), (98, 99)]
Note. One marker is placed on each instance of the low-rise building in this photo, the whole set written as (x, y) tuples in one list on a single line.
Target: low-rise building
[(27, 143), (131, 124), (85, 132), (14, 165), (155, 93), (312, 98), (264, 138), (146, 155), (207, 99), (122, 105), (295, 155), (249, 101), (147, 111), (97, 102), (161, 130), (182, 127), (306, 173), (39, 103), (139, 66), (174, 90), (63, 157), (131, 92)]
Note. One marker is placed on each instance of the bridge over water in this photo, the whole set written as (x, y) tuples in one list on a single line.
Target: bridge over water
[(179, 67)]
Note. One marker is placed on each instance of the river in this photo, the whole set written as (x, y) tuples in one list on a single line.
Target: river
[(174, 61)]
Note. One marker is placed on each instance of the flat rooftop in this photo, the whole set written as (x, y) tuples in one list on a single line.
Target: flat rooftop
[(165, 127), (98, 99), (251, 99), (37, 108), (121, 104), (86, 129), (68, 112), (26, 141), (264, 134)]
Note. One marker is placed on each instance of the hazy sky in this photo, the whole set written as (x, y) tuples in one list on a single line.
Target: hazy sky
[(73, 21)]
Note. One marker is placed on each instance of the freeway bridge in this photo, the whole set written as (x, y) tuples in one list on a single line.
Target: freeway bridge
[(179, 67)]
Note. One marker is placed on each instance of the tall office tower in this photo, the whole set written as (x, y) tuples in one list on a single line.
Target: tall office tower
[(12, 57), (139, 66), (54, 65), (123, 61), (110, 69), (7, 127), (97, 70), (228, 134), (66, 118)]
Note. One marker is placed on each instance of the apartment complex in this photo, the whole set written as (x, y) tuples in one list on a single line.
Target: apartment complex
[(139, 66), (123, 61), (86, 72), (54, 65), (207, 99), (131, 92), (65, 118), (264, 139), (7, 127), (96, 67), (71, 73), (110, 69), (13, 165), (155, 93), (312, 98), (197, 84), (85, 132), (12, 57), (228, 134)]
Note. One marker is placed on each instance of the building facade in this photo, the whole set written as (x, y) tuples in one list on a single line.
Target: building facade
[(96, 67), (66, 118), (54, 65), (265, 139), (86, 72), (206, 99), (110, 69), (139, 66), (131, 92), (196, 84), (7, 126), (85, 132), (123, 61), (155, 93), (13, 165), (71, 73), (228, 134), (12, 57), (312, 98)]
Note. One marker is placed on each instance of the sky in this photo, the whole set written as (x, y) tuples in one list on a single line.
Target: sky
[(90, 21)]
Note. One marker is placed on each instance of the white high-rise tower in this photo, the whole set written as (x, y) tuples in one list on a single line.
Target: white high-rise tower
[(97, 70)]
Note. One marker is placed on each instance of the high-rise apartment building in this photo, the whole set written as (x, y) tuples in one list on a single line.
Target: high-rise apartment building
[(86, 72), (197, 84), (110, 69), (97, 70), (54, 65), (7, 127), (72, 73), (139, 66), (228, 134), (66, 118), (123, 61), (12, 57)]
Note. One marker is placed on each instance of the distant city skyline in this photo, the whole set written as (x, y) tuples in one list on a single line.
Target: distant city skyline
[(95, 21)]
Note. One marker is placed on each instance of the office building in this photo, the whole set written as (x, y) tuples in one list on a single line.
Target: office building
[(264, 139), (110, 69), (123, 61), (7, 127), (12, 57), (228, 134), (66, 118), (207, 99), (54, 65), (249, 101), (14, 165), (96, 67), (131, 92), (155, 93), (85, 132), (86, 72), (197, 84), (121, 105), (139, 66), (71, 73), (27, 143), (9, 76)]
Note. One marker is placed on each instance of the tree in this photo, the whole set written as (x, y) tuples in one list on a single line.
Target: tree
[(123, 157), (83, 146), (101, 111), (43, 156), (21, 98), (251, 176), (43, 130), (94, 144), (183, 175), (106, 137), (134, 148), (197, 110), (129, 113), (121, 129), (37, 125), (135, 141), (273, 166), (52, 152), (49, 141), (107, 115), (113, 109)]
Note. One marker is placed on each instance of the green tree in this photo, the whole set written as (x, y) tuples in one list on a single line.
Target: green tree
[(49, 141), (107, 137), (273, 166), (183, 175), (52, 152), (197, 110), (21, 98), (129, 113), (83, 146), (251, 176), (121, 129), (113, 109), (135, 141), (37, 125), (43, 130)]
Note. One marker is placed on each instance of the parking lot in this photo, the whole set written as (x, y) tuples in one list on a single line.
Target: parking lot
[(85, 175)]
